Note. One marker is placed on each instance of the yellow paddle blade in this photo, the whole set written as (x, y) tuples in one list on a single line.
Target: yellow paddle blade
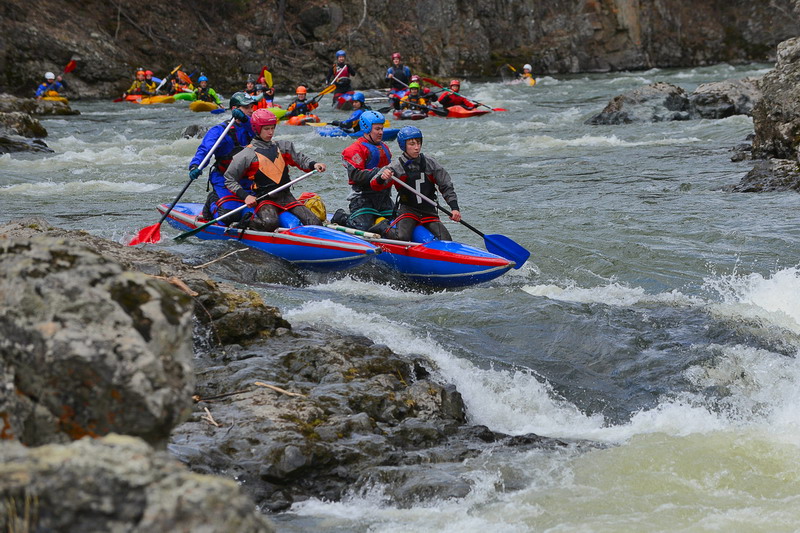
[(316, 123), (267, 78), (327, 89)]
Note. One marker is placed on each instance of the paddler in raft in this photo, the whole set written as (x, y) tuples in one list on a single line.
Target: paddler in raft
[(341, 71), (423, 174), (300, 106), (263, 166), (350, 124), (449, 98), (364, 159), (205, 93), (50, 86), (140, 86), (220, 200)]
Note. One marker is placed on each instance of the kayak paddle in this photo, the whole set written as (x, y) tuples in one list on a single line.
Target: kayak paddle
[(434, 82), (496, 244), (439, 112), (200, 228), (152, 234)]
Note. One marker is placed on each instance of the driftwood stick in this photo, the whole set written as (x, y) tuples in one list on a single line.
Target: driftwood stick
[(198, 399), (278, 389), (220, 258), (208, 418)]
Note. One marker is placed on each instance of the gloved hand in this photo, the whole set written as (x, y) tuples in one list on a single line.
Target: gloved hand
[(194, 172), (336, 123), (239, 115)]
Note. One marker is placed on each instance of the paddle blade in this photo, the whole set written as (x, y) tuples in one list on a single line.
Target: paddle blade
[(267, 78), (184, 78), (217, 111), (117, 99), (70, 66), (148, 235), (499, 109), (505, 247), (432, 82)]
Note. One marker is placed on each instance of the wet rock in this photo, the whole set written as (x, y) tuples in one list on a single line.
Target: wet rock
[(34, 106), (410, 485), (87, 348), (770, 175), (195, 130), (116, 483), (18, 123), (724, 98), (13, 143), (776, 117), (657, 102)]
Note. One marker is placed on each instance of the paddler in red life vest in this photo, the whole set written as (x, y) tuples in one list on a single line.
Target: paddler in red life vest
[(301, 106), (344, 71), (423, 174), (220, 200), (263, 166), (364, 159), (449, 98)]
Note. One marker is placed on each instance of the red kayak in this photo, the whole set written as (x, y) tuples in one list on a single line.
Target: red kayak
[(458, 111)]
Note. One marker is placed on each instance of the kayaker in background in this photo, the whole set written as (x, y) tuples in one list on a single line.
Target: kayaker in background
[(139, 86), (526, 75), (413, 100), (152, 86), (301, 106), (398, 76), (449, 98), (263, 166), (50, 86), (425, 91), (350, 124), (341, 71), (205, 93), (364, 159), (423, 174), (220, 199), (250, 87)]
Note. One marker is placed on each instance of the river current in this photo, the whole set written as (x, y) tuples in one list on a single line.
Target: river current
[(659, 315)]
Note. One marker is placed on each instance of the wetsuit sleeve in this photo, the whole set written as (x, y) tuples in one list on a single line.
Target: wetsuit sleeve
[(236, 170), (205, 146), (40, 90), (295, 158), (214, 95), (397, 167), (443, 182)]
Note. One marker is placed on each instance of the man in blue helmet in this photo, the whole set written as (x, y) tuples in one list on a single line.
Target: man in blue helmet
[(340, 74), (206, 93), (220, 199), (364, 159), (423, 174), (350, 124)]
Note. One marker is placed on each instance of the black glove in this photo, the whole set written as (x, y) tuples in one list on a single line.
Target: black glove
[(336, 123)]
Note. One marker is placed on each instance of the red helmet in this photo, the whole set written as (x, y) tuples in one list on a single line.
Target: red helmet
[(140, 72), (301, 90), (454, 82), (397, 55), (148, 72), (260, 118)]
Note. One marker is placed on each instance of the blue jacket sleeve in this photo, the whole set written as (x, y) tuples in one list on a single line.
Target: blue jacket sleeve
[(208, 141), (352, 119)]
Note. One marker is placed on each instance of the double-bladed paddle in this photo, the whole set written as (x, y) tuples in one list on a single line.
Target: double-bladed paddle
[(200, 228), (435, 111), (434, 82), (152, 234), (496, 244)]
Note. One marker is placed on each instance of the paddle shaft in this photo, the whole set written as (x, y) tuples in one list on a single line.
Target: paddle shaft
[(440, 112), (202, 165), (198, 229), (434, 82), (329, 88), (69, 68), (167, 77)]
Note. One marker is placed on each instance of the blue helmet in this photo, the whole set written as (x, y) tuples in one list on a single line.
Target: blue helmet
[(406, 133), (340, 53), (202, 78), (358, 97), (368, 118)]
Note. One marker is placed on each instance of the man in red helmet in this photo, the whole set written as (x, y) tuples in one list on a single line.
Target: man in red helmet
[(263, 166), (398, 76), (449, 98)]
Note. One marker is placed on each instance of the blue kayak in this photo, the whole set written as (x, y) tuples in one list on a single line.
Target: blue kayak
[(311, 247), (389, 134)]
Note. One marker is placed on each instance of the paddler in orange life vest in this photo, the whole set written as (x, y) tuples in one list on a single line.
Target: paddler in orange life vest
[(449, 98), (344, 71), (364, 159), (140, 86), (220, 200), (301, 106), (263, 166), (423, 174)]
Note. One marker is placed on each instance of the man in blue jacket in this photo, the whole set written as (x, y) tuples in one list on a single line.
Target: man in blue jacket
[(235, 140)]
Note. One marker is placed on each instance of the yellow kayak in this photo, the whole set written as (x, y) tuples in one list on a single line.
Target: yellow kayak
[(56, 99), (198, 105), (160, 99)]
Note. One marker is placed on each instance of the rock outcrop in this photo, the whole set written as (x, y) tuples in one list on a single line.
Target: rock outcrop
[(297, 40), (20, 131)]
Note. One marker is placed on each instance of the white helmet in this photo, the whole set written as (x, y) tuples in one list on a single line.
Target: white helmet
[(49, 76), (527, 66)]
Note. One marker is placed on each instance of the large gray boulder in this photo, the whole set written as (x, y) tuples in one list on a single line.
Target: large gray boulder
[(115, 484), (723, 99), (87, 348), (656, 102)]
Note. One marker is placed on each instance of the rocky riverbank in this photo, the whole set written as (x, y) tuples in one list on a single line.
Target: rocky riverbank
[(100, 340), (230, 39), (20, 130)]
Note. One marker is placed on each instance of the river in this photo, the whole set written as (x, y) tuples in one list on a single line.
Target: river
[(658, 315)]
